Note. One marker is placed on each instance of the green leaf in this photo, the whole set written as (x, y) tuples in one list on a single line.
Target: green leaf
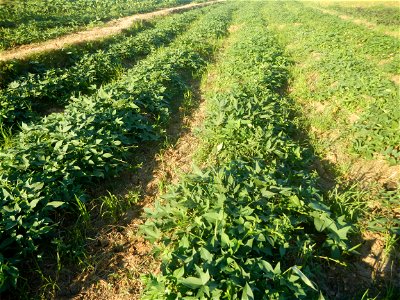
[(225, 241), (295, 201), (212, 217), (55, 204), (205, 254), (321, 221), (24, 126), (319, 206), (194, 282), (191, 282), (342, 233), (267, 194), (277, 269), (34, 202), (247, 293), (267, 266), (205, 276), (58, 145), (303, 277), (178, 273), (151, 234)]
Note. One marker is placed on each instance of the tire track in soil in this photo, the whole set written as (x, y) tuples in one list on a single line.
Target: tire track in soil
[(108, 29)]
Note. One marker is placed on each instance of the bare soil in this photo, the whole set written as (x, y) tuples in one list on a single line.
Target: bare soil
[(110, 28), (396, 79), (376, 170)]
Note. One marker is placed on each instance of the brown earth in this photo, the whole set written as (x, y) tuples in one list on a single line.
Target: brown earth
[(396, 79), (110, 28)]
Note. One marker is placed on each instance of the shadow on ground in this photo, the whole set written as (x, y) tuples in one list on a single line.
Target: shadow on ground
[(373, 270)]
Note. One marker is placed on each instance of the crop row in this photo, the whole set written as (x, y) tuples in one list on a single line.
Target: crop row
[(253, 225), (38, 63), (54, 88), (381, 15), (51, 162), (343, 76), (23, 22), (370, 45)]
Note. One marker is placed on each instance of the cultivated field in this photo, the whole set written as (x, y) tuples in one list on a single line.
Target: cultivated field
[(234, 150), (26, 21)]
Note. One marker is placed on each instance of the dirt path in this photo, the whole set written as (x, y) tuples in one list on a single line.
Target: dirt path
[(365, 23), (110, 28)]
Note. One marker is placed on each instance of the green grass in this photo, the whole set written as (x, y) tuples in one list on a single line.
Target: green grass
[(381, 15), (37, 63), (257, 221), (348, 105)]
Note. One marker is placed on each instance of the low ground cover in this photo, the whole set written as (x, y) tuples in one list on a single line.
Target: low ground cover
[(27, 21), (252, 224), (297, 102), (379, 14), (50, 163), (348, 94), (32, 95)]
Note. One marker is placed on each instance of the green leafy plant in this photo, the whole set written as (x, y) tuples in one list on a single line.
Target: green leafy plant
[(343, 80), (23, 99), (23, 22), (253, 224), (47, 170)]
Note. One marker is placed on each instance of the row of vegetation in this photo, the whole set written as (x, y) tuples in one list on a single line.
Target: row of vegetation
[(344, 81), (379, 14), (25, 99), (253, 224), (344, 78), (255, 221), (44, 174), (27, 21)]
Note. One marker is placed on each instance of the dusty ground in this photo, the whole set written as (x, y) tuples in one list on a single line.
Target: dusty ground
[(110, 28)]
